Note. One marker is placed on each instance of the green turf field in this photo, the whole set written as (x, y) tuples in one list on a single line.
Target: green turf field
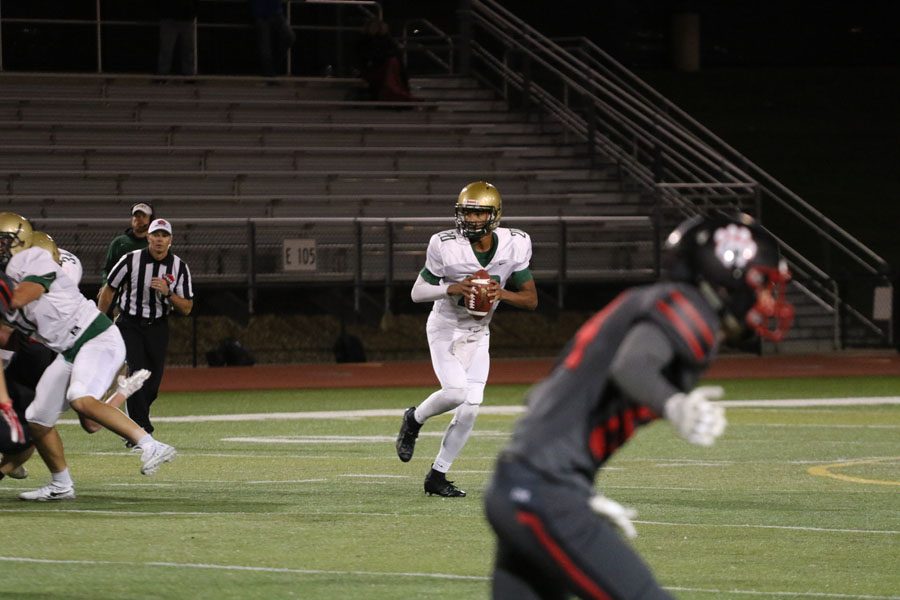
[(791, 503)]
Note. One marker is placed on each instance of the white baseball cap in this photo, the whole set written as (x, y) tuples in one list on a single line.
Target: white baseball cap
[(142, 207), (160, 225)]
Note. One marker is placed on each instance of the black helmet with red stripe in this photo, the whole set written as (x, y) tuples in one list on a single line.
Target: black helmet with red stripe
[(738, 268)]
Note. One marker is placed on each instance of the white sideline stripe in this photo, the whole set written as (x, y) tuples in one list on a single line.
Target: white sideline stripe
[(374, 476), (238, 568), (495, 410), (286, 570), (789, 594), (169, 513), (269, 482), (790, 527)]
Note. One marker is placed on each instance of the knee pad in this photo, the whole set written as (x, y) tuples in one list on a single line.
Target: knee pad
[(466, 414), (455, 395)]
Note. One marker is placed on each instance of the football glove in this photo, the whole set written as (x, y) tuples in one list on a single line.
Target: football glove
[(8, 414), (620, 516), (695, 417), (129, 385)]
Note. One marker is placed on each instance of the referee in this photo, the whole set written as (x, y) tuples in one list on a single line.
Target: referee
[(151, 283)]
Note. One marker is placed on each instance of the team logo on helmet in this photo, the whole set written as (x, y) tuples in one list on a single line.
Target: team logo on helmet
[(734, 246)]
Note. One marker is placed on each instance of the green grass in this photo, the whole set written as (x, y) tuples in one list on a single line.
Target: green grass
[(323, 519)]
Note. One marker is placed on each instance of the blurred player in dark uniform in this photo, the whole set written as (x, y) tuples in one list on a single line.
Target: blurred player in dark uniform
[(21, 374), (636, 360)]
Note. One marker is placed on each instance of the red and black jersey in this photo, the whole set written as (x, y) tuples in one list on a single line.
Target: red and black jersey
[(580, 415)]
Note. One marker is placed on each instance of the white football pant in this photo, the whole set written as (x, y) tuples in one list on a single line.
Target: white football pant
[(94, 368), (461, 361)]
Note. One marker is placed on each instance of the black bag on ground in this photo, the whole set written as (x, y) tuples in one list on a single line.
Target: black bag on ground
[(349, 349)]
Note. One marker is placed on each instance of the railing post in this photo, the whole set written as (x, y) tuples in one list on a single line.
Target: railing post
[(1, 36), (193, 318), (289, 48), (251, 265), (99, 30), (388, 265), (464, 17), (358, 267), (563, 264)]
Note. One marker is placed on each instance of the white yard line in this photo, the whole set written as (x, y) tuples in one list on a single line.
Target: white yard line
[(776, 593), (494, 410), (170, 513), (790, 527), (449, 576)]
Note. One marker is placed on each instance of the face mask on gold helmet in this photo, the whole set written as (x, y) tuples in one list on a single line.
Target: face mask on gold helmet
[(478, 197), (40, 239), (15, 236)]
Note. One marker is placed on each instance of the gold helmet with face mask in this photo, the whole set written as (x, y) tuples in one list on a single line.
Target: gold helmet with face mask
[(39, 239), (15, 236), (478, 197)]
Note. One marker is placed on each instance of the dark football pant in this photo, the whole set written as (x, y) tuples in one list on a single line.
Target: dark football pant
[(22, 375), (550, 544), (145, 348)]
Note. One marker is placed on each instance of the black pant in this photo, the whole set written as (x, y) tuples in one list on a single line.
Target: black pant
[(145, 348), (550, 544)]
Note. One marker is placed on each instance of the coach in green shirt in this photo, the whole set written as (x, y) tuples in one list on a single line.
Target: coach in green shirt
[(134, 238)]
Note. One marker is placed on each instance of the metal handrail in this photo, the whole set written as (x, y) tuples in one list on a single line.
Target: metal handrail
[(98, 22), (411, 28), (689, 126), (657, 144)]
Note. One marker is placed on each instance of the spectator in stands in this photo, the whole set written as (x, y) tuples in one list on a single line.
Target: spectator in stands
[(380, 65), (134, 238), (274, 35), (176, 27), (151, 283)]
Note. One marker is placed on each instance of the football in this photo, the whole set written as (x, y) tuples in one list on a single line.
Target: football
[(478, 305)]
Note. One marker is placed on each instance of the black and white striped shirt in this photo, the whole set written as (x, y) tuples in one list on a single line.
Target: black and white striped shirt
[(131, 277)]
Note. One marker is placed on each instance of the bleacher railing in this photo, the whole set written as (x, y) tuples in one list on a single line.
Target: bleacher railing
[(357, 253), (102, 25), (665, 152)]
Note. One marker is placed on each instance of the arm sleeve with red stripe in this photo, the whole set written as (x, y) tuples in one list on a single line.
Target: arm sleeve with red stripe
[(639, 365), (690, 328)]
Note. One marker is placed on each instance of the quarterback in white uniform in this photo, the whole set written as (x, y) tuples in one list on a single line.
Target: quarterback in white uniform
[(458, 341), (46, 305)]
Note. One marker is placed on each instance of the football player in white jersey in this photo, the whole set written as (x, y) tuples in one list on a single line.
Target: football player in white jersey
[(71, 264), (125, 385), (41, 301), (458, 341)]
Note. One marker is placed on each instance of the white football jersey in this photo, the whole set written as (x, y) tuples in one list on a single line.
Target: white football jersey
[(59, 317), (71, 265), (450, 256)]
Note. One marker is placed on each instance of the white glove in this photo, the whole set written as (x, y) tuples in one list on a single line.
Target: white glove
[(129, 385), (615, 513), (697, 420)]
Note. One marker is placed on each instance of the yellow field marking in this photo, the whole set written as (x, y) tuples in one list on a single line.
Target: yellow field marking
[(825, 471)]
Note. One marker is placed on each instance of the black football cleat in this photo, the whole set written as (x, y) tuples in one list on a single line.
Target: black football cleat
[(436, 484), (409, 431)]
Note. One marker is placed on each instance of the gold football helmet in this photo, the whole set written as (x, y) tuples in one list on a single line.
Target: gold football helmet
[(478, 197), (15, 236), (43, 240)]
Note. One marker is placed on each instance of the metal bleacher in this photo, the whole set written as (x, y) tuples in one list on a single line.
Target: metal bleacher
[(235, 147)]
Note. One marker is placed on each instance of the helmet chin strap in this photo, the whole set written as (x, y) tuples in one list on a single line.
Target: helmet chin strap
[(731, 327)]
